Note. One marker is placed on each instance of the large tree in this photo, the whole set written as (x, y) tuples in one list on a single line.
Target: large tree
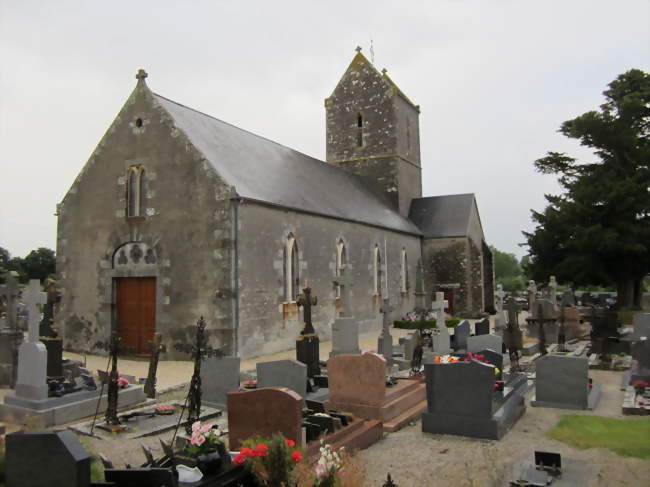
[(598, 231)]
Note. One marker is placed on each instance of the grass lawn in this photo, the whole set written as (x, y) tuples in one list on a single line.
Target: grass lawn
[(626, 437)]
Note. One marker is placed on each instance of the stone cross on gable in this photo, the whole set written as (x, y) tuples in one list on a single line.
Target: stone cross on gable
[(358, 48), (10, 290), (141, 75), (344, 282), (500, 294), (306, 300), (439, 306), (32, 296)]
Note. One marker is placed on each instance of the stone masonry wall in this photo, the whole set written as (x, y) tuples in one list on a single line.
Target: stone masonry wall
[(186, 233), (267, 323)]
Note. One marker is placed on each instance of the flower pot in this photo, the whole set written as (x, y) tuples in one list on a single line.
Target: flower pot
[(209, 463)]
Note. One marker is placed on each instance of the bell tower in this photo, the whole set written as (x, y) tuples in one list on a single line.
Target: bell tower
[(373, 130)]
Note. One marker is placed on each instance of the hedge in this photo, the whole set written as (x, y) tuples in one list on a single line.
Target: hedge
[(423, 325)]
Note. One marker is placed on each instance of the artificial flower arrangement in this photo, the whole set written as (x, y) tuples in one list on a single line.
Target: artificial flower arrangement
[(270, 460), (250, 384), (334, 468), (122, 382), (204, 439), (164, 409), (639, 389)]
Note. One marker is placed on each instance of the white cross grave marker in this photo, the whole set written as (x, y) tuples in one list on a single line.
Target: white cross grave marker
[(32, 355), (439, 306), (345, 282)]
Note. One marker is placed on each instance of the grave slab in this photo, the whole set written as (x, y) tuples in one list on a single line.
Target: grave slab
[(283, 373), (562, 382), (59, 457), (219, 376), (480, 342), (461, 334), (345, 336)]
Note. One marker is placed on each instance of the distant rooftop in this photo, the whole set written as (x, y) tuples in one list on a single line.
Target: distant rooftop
[(442, 216)]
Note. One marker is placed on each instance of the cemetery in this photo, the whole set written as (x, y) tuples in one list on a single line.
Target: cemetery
[(434, 385), (223, 310)]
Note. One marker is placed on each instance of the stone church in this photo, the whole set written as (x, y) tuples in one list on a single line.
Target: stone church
[(178, 215)]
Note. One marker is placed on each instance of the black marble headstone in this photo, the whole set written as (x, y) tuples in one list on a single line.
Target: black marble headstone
[(59, 457), (482, 327), (494, 358)]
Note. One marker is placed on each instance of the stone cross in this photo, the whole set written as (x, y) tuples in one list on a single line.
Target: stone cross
[(10, 290), (512, 308), (155, 346), (439, 306), (386, 340), (552, 283), (500, 294), (358, 48), (141, 75), (532, 295), (345, 282), (32, 296), (306, 300), (419, 285)]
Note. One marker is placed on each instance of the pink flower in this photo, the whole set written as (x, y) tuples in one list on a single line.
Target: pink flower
[(196, 425), (205, 428), (198, 440)]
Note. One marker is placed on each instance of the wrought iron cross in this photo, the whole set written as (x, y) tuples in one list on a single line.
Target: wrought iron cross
[(114, 347), (199, 350), (306, 300)]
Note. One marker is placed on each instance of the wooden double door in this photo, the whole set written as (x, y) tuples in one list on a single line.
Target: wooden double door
[(136, 311)]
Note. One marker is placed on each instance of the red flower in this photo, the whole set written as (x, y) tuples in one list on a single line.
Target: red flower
[(641, 403), (247, 452), (261, 450), (639, 383), (296, 456), (290, 443)]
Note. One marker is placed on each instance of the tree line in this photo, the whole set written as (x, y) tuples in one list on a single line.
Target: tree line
[(38, 264)]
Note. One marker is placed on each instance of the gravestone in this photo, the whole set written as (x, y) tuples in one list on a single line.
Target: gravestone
[(420, 294), (283, 373), (264, 412), (10, 336), (586, 299), (552, 284), (441, 341), (462, 400), (562, 382), (409, 343), (345, 329), (641, 325), (494, 358), (307, 344), (385, 341), (640, 351), (219, 376), (31, 382), (357, 384), (461, 334), (532, 294), (46, 458), (568, 298), (499, 303), (480, 342), (482, 327)]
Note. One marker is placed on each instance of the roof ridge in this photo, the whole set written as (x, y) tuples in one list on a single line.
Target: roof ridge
[(248, 132)]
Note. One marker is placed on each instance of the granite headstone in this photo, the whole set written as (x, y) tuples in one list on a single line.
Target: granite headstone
[(287, 373), (219, 376)]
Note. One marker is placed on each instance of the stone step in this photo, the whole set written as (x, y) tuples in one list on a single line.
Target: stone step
[(356, 436), (405, 417), (398, 405), (399, 389)]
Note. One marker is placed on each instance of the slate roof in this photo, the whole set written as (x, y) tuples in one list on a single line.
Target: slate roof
[(268, 172), (442, 216)]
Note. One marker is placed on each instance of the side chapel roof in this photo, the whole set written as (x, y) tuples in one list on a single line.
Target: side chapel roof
[(443, 216), (268, 172)]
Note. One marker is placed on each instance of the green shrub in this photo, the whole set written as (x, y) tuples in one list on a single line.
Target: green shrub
[(423, 324)]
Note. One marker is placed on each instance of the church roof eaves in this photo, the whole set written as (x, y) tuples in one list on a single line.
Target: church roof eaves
[(268, 172), (445, 216)]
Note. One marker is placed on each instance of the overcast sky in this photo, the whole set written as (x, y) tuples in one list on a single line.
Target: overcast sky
[(494, 80)]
